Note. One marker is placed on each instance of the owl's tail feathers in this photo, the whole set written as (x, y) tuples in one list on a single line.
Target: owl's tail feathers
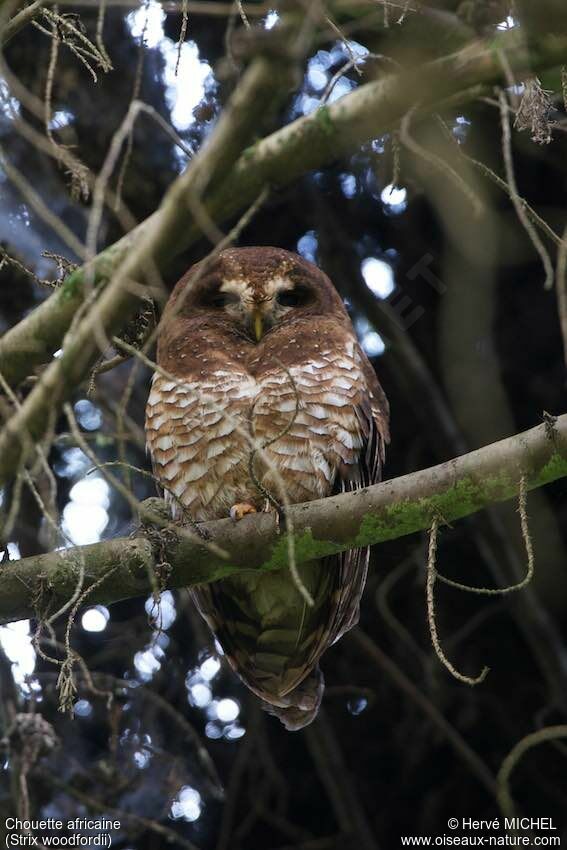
[(299, 707)]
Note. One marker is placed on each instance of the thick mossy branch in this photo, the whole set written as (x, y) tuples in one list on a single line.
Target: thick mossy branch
[(310, 142), (375, 514)]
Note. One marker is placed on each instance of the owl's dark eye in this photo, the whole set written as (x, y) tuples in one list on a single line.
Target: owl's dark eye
[(222, 299), (295, 297)]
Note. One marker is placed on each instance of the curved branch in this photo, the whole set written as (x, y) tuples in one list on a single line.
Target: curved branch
[(307, 143), (19, 21), (132, 268), (375, 514)]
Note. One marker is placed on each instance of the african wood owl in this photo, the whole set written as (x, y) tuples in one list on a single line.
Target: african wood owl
[(258, 346)]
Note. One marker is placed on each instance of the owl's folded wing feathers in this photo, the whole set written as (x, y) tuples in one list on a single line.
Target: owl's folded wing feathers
[(294, 694)]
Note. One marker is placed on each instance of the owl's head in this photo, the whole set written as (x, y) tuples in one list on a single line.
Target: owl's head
[(255, 290)]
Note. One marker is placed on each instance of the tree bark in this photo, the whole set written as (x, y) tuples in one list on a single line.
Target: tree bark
[(374, 514)]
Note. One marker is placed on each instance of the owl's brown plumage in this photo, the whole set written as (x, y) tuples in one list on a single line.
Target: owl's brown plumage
[(262, 347)]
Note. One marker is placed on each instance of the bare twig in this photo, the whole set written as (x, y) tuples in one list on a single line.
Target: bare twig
[(469, 757), (182, 33), (430, 586), (38, 205), (99, 33), (513, 588), (20, 20), (439, 164), (307, 143), (515, 196), (502, 184), (505, 799), (242, 13), (6, 259), (119, 299)]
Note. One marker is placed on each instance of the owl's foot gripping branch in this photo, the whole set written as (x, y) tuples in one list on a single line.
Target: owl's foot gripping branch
[(125, 567)]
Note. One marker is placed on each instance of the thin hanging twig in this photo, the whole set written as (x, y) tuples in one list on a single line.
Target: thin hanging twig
[(430, 586), (515, 195)]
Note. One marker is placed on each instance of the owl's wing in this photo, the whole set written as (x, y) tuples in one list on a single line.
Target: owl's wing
[(346, 572), (373, 415), (289, 680)]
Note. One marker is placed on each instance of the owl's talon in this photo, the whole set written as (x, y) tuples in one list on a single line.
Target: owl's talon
[(238, 511)]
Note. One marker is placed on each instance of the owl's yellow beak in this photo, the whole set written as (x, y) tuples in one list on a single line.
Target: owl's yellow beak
[(258, 324)]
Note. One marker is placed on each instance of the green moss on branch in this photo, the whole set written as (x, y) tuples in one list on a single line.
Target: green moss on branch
[(374, 515)]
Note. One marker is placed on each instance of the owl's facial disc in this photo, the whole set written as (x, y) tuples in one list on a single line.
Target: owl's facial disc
[(259, 306)]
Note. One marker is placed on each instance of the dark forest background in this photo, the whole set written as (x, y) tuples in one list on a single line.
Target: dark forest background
[(453, 311)]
